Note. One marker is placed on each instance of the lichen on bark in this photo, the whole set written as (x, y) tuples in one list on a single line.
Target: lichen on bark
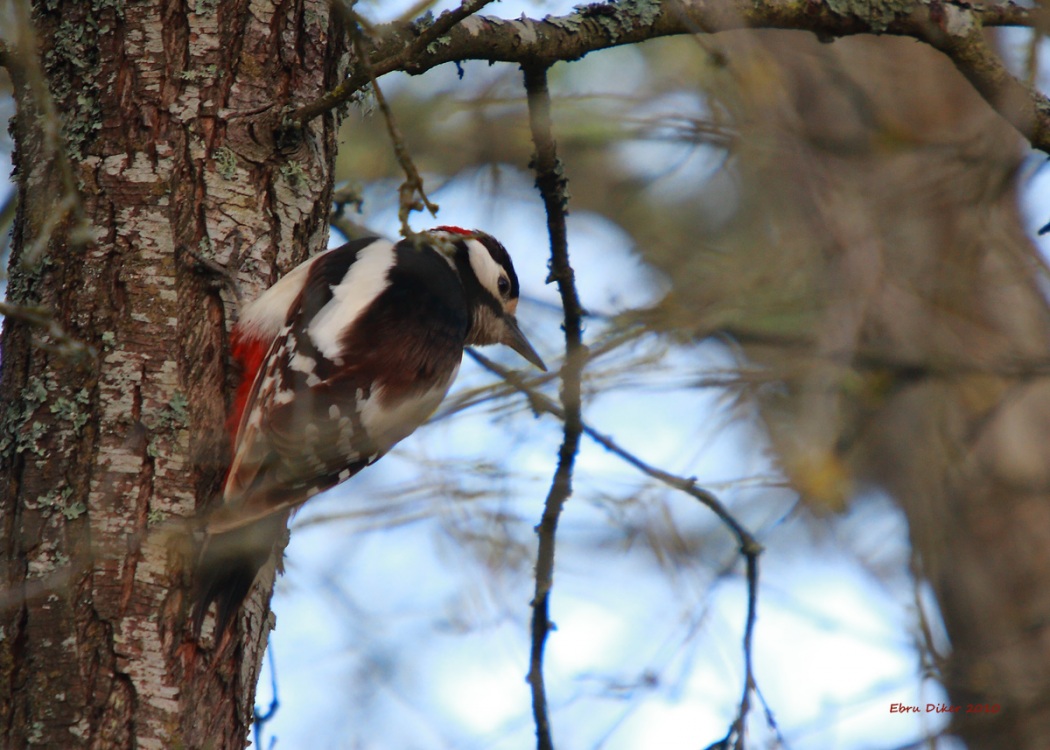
[(149, 94)]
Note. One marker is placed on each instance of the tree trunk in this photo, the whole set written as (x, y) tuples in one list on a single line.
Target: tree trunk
[(168, 113)]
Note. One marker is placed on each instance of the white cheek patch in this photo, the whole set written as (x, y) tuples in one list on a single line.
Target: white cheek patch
[(485, 268), (363, 283)]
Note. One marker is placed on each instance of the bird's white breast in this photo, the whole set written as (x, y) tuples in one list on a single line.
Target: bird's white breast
[(388, 424)]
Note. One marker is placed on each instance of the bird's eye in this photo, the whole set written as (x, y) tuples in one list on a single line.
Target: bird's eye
[(503, 285)]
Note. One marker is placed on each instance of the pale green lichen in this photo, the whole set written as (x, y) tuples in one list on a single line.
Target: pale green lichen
[(72, 65), (438, 43), (630, 14), (293, 173), (569, 23), (73, 511), (615, 19), (36, 733), (645, 11), (116, 5), (32, 439), (174, 416), (225, 162), (878, 13), (35, 390), (73, 410), (171, 419), (17, 433), (58, 500), (178, 405), (207, 73)]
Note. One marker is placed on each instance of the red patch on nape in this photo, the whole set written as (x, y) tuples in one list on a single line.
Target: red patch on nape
[(455, 230), (249, 353)]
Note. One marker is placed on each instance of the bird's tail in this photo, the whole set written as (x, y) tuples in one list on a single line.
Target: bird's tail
[(227, 565)]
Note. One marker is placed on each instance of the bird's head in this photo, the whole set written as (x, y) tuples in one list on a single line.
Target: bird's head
[(491, 287)]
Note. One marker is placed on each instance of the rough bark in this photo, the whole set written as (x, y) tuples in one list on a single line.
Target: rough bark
[(168, 111), (878, 273)]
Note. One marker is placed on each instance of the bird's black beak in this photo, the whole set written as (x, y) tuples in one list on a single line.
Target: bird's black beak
[(515, 339)]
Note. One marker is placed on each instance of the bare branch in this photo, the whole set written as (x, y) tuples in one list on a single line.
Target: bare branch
[(550, 180), (59, 340), (347, 227), (261, 718), (426, 36), (953, 27), (750, 548), (1018, 102), (542, 404), (28, 76)]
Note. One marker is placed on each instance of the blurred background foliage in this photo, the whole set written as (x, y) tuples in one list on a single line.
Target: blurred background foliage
[(805, 270)]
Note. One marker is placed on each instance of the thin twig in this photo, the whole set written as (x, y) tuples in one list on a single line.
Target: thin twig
[(413, 184), (470, 398), (60, 341), (551, 182), (750, 548), (347, 227), (28, 75), (345, 90), (738, 729), (543, 404), (260, 719)]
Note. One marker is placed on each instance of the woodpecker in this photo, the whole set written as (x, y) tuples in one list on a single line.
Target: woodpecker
[(340, 360)]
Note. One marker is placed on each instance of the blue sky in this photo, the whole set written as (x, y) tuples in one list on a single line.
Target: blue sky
[(646, 654)]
